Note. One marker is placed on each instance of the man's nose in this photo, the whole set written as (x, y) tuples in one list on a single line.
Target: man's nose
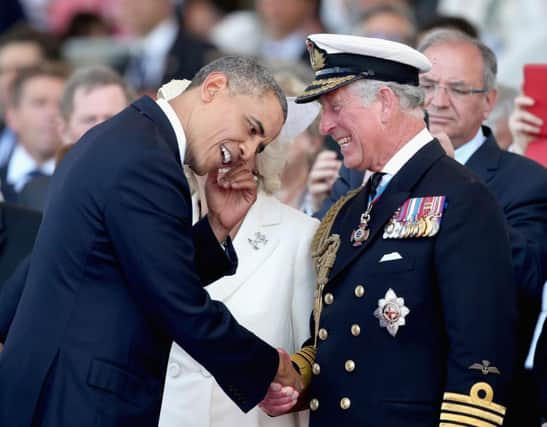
[(248, 149), (325, 124), (439, 97)]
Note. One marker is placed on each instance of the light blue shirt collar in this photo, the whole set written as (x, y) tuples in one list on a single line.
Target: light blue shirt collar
[(463, 153)]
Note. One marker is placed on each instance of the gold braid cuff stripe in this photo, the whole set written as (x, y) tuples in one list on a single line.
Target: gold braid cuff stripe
[(304, 360), (469, 410), (474, 399), (468, 421), (325, 84)]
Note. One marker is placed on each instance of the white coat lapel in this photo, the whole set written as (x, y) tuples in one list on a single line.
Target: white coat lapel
[(254, 243)]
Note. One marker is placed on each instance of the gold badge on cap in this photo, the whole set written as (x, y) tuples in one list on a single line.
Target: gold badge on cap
[(391, 312), (317, 58)]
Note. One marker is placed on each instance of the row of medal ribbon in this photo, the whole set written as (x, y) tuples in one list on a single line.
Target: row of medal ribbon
[(416, 217)]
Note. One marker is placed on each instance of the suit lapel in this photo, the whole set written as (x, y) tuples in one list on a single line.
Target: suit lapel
[(261, 221), (397, 191), (152, 110), (485, 161)]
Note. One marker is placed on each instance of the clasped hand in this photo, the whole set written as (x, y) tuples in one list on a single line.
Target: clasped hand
[(285, 389)]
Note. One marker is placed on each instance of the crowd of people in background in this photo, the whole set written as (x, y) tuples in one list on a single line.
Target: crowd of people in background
[(67, 66)]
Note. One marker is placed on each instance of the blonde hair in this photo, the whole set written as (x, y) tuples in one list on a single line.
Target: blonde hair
[(271, 162)]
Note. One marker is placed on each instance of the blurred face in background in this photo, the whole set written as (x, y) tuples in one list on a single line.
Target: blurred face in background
[(282, 17), (139, 17), (455, 96), (34, 118), (13, 58), (389, 26), (91, 106)]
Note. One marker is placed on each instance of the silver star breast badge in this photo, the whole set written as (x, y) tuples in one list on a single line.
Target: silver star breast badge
[(391, 312)]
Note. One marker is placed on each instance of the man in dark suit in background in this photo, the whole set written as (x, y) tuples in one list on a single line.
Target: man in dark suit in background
[(90, 96), (460, 93), (21, 47), (162, 49), (91, 336), (33, 114), (414, 290)]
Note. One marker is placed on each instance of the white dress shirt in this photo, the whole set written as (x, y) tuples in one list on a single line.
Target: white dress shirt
[(400, 158), (463, 153), (21, 165), (176, 125)]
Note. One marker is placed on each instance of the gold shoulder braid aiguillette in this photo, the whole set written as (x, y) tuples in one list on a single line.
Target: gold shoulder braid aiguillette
[(324, 248)]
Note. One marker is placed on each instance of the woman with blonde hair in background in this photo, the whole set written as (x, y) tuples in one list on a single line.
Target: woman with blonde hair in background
[(271, 293)]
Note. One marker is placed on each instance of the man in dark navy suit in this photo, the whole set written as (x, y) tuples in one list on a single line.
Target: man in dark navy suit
[(413, 322), (117, 271), (519, 185), (18, 229)]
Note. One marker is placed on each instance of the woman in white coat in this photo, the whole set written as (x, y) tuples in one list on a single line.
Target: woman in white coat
[(271, 294)]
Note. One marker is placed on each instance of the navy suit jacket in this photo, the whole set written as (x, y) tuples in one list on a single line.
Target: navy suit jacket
[(112, 280), (457, 285), (18, 229)]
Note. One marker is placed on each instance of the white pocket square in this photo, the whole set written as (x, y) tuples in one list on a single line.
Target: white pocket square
[(391, 257)]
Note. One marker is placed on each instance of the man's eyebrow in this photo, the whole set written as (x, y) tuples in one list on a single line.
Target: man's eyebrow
[(451, 83), (257, 124)]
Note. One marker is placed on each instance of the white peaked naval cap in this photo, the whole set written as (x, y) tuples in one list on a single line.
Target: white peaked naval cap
[(339, 60)]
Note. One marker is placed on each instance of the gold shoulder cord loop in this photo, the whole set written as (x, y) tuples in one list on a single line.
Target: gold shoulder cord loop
[(324, 248)]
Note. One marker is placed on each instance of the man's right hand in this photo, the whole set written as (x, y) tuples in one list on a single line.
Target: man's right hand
[(286, 387), (323, 174), (524, 125)]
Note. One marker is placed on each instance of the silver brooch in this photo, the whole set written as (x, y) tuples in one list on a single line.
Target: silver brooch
[(391, 312), (258, 241)]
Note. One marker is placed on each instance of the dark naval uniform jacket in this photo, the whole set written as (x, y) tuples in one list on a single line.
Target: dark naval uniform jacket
[(449, 298), (116, 274), (520, 188)]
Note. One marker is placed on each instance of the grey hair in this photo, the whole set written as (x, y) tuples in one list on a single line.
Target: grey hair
[(246, 76), (89, 78), (410, 97), (447, 36)]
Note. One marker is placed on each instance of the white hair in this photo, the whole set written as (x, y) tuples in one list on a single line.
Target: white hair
[(411, 98)]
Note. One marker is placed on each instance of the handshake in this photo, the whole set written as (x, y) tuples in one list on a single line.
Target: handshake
[(285, 389)]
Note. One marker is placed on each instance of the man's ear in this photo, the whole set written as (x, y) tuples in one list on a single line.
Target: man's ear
[(489, 102), (388, 100), (213, 83)]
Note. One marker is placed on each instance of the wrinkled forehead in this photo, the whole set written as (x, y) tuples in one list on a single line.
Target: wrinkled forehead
[(454, 62)]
